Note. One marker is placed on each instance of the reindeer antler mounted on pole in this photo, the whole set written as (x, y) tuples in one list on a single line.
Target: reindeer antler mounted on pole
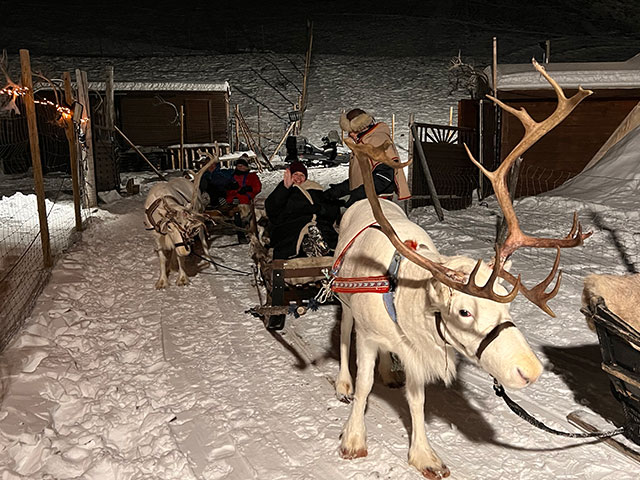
[(516, 238), (11, 87)]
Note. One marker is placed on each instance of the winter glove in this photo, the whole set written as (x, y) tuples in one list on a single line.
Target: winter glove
[(233, 185)]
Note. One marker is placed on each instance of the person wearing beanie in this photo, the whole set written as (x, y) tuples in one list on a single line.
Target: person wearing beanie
[(245, 185), (297, 208), (363, 128), (242, 189)]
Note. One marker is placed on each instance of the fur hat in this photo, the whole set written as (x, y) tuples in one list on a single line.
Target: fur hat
[(298, 166), (355, 120)]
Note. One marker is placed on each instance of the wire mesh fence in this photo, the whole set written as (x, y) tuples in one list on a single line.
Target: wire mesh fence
[(22, 271)]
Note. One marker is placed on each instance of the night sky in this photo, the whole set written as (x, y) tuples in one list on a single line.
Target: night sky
[(609, 30)]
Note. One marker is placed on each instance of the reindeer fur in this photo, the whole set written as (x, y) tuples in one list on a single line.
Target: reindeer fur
[(179, 195), (621, 294), (415, 340)]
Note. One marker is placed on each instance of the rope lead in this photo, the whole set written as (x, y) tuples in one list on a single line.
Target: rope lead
[(522, 413)]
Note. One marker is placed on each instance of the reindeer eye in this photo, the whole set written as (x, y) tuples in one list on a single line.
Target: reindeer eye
[(465, 313)]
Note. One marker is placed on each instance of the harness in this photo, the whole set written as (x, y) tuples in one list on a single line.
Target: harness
[(159, 226), (387, 284)]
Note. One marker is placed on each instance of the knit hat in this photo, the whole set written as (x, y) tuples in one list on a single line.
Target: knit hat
[(243, 160), (298, 166), (355, 121)]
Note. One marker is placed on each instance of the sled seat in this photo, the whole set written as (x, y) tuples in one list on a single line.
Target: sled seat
[(619, 339)]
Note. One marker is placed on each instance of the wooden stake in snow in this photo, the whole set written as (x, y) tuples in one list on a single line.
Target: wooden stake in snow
[(73, 152), (88, 166), (34, 144)]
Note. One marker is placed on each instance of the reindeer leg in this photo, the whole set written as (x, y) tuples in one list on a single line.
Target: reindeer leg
[(182, 275), (163, 281), (390, 377), (354, 433), (421, 455), (344, 383)]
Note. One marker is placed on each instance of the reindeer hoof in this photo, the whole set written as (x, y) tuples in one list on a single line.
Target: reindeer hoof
[(182, 281), (351, 454), (160, 284), (432, 474), (344, 391)]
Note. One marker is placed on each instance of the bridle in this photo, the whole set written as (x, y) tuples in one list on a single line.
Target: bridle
[(486, 341), (186, 235)]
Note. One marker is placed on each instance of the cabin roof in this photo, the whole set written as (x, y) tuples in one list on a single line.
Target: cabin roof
[(163, 86), (591, 75)]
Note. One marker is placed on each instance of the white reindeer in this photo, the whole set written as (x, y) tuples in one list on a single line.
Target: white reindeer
[(173, 212), (438, 306)]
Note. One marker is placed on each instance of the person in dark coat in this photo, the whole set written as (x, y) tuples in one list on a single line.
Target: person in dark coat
[(362, 128), (215, 181), (298, 211)]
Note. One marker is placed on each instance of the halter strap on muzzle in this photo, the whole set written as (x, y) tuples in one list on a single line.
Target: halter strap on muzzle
[(489, 337)]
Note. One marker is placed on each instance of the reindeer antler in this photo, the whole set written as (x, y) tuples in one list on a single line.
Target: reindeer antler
[(452, 278), (11, 87), (215, 158), (516, 237)]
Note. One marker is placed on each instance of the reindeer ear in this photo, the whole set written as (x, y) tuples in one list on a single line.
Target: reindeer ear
[(438, 293)]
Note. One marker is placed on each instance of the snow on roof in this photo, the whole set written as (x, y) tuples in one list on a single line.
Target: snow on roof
[(593, 75), (163, 86)]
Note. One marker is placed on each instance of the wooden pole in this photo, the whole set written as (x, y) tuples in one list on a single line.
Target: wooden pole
[(547, 50), (495, 67), (393, 127), (139, 152), (450, 116), (427, 174), (305, 78), (73, 152), (407, 203), (34, 144), (481, 148), (237, 135), (284, 137), (181, 159), (259, 134), (90, 193)]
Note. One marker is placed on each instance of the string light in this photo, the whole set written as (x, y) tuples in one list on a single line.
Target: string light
[(17, 90)]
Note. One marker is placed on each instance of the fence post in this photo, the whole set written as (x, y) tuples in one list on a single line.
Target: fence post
[(427, 174), (73, 151), (88, 166), (32, 122)]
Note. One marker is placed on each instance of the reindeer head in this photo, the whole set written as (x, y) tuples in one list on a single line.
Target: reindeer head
[(480, 329)]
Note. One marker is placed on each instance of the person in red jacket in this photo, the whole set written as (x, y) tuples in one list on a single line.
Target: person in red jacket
[(244, 186)]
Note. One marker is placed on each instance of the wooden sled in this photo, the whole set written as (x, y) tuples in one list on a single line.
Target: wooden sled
[(291, 284), (620, 348)]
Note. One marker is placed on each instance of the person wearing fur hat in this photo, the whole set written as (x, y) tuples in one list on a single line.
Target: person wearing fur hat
[(363, 128), (299, 214)]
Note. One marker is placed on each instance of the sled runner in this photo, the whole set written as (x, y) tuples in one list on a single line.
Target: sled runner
[(290, 284)]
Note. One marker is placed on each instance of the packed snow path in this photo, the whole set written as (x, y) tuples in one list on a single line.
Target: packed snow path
[(112, 379)]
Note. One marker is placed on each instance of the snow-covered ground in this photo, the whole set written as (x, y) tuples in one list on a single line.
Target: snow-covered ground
[(112, 379)]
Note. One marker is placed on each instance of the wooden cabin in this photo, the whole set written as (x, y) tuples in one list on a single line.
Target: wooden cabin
[(567, 149)]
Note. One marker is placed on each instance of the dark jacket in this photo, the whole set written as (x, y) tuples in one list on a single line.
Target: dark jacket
[(290, 212), (382, 181), (216, 182)]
